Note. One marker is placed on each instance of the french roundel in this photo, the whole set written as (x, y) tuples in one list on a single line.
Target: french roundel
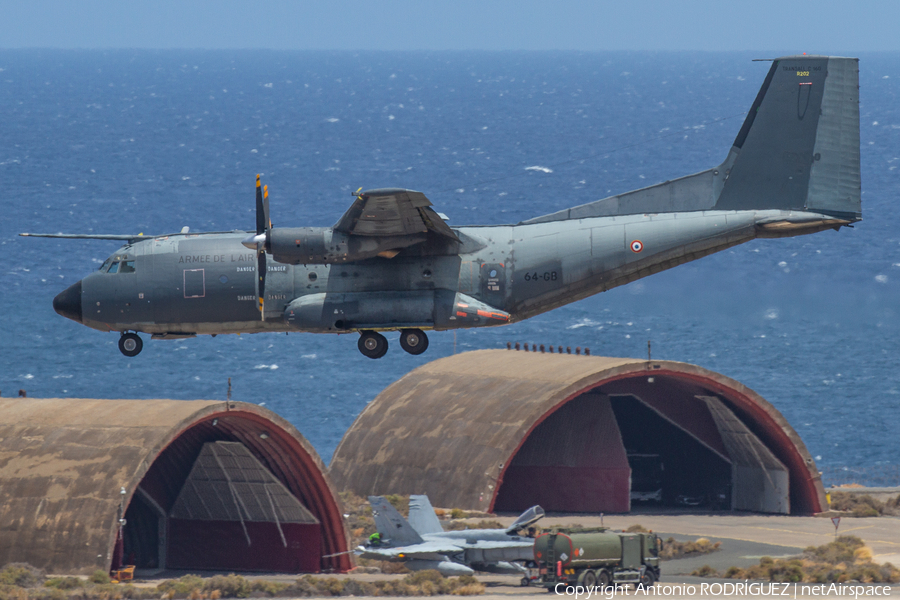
[(637, 246)]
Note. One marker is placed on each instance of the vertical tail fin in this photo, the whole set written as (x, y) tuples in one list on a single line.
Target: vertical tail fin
[(422, 517), (391, 524), (799, 146)]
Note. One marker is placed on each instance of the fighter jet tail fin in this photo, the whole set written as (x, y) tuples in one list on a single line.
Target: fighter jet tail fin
[(422, 517), (391, 524), (799, 146)]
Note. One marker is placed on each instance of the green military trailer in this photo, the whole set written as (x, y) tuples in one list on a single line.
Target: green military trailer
[(596, 557)]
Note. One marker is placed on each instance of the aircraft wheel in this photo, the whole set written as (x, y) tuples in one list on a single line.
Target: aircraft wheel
[(372, 344), (414, 341), (130, 344)]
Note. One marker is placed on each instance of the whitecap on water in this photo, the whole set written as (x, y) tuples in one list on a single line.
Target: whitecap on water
[(307, 356), (270, 367), (583, 323), (539, 168), (881, 278), (332, 120)]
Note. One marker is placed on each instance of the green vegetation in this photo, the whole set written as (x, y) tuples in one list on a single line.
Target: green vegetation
[(23, 582), (843, 560), (864, 505)]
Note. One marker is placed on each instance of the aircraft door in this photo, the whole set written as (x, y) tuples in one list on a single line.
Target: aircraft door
[(493, 284)]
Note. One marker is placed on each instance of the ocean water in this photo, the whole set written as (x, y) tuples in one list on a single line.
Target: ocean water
[(143, 141)]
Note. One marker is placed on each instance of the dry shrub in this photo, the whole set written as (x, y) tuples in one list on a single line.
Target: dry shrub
[(64, 583), (637, 528), (473, 589), (394, 568), (420, 583), (483, 524), (864, 505), (862, 555), (672, 548), (845, 559), (21, 575)]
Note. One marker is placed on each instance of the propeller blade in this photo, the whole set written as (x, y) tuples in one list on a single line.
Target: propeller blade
[(261, 270), (261, 212), (268, 219), (262, 227)]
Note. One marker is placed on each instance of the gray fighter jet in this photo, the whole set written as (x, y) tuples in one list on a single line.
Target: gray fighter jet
[(392, 263), (423, 544)]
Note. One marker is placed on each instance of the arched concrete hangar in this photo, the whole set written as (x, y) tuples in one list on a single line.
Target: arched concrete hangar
[(501, 430), (198, 485)]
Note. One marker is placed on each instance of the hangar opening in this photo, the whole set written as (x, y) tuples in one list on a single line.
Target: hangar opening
[(163, 484), (615, 451), (229, 512), (504, 430)]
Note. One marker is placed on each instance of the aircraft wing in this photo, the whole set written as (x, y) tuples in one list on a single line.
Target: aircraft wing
[(130, 238), (432, 550), (489, 552), (392, 212)]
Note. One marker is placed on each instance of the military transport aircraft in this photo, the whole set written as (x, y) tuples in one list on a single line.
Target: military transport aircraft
[(393, 263), (423, 544)]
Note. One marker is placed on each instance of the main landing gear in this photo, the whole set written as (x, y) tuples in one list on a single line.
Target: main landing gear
[(130, 344), (374, 345)]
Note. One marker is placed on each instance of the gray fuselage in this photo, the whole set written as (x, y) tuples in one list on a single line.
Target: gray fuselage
[(205, 283)]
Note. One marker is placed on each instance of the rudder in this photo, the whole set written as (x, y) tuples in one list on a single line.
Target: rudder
[(798, 148)]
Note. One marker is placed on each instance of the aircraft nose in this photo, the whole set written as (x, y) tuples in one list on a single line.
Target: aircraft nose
[(68, 302)]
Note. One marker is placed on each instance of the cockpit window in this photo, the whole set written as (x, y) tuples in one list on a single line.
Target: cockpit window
[(113, 268), (105, 265), (127, 266)]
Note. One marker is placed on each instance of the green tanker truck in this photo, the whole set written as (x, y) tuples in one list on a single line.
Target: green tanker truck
[(596, 557)]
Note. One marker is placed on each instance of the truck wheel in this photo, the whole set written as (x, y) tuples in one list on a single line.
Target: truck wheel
[(525, 582), (647, 578), (589, 580), (603, 578)]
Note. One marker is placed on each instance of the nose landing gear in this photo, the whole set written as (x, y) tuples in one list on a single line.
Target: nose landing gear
[(130, 344)]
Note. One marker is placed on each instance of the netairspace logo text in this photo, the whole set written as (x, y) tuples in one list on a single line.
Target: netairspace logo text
[(743, 588)]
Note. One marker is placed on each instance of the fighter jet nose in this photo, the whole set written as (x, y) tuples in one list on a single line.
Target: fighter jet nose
[(68, 302)]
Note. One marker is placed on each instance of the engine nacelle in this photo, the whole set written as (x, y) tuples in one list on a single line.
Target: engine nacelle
[(324, 246)]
